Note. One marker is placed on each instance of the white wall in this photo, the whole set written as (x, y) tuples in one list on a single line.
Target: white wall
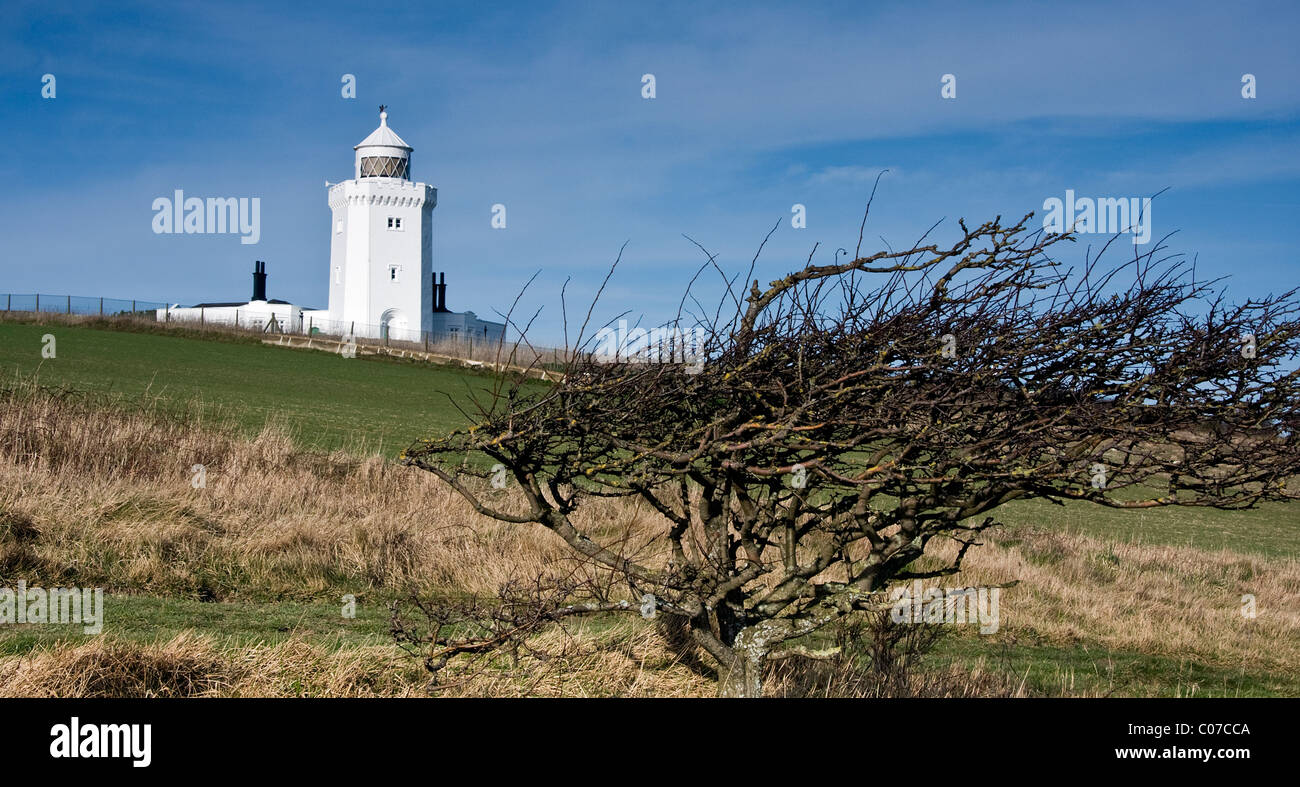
[(465, 324), (363, 252), (255, 314)]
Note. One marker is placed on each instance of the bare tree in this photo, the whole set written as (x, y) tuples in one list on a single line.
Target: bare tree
[(842, 418)]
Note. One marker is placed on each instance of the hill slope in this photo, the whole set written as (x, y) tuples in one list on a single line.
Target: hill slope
[(324, 401)]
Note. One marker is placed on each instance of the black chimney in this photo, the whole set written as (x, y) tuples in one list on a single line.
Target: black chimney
[(259, 281), (440, 292)]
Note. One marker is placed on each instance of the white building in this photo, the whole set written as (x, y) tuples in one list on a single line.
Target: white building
[(381, 251), (270, 316), (381, 280)]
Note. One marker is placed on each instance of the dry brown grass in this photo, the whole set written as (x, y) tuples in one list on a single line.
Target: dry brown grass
[(108, 493), (1173, 601), (625, 661), (97, 493), (194, 666)]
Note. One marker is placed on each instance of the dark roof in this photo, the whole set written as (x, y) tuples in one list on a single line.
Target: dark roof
[(240, 303)]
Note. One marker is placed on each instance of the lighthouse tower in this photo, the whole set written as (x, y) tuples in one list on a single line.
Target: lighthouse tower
[(381, 247)]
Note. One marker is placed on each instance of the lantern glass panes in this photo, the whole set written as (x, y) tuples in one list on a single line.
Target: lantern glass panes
[(383, 167)]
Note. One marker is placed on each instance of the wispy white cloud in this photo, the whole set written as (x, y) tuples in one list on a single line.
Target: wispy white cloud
[(853, 174)]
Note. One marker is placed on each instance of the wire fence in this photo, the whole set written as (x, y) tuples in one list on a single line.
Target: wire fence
[(282, 319), (79, 304)]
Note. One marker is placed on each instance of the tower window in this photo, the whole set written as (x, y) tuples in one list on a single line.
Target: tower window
[(394, 223), (338, 274), (394, 272), (338, 227), (383, 167)]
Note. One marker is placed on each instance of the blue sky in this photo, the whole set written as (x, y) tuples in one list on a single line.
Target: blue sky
[(538, 107)]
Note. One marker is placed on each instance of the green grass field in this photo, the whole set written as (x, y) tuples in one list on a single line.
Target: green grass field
[(326, 401), (1271, 530)]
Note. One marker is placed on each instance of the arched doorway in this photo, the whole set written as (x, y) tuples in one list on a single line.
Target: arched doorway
[(393, 325)]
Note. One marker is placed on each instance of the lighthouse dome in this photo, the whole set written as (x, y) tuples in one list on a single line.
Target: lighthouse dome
[(383, 154)]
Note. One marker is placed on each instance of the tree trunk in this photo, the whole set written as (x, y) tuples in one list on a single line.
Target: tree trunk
[(744, 679), (745, 676)]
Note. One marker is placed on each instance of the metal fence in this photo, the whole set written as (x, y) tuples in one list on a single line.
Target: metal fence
[(285, 320), (79, 304), (267, 320)]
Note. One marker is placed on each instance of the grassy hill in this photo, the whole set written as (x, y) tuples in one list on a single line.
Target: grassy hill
[(370, 404), (325, 401), (236, 588)]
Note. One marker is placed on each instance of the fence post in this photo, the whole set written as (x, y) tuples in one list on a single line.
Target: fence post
[(38, 302), (203, 315), (69, 304), (101, 306), (236, 318), (426, 342), (9, 301), (132, 307), (309, 319)]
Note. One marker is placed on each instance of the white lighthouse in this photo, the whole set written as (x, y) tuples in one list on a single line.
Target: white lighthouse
[(381, 262), (381, 248)]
